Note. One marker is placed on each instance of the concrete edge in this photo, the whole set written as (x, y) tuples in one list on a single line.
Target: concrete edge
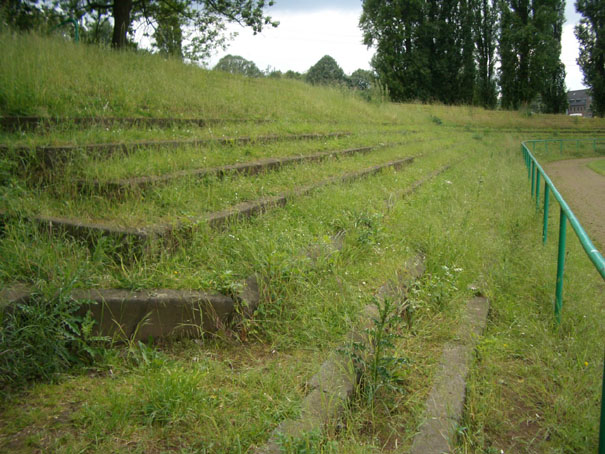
[(131, 242), (51, 155), (445, 404), (157, 313), (141, 240), (249, 209), (118, 187), (20, 123), (335, 382)]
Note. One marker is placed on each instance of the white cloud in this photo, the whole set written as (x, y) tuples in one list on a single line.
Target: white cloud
[(569, 53), (302, 39)]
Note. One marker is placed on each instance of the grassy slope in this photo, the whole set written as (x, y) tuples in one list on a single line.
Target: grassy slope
[(598, 166), (534, 388)]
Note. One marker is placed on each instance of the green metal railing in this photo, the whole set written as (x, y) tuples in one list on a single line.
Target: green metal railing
[(536, 173), (74, 22)]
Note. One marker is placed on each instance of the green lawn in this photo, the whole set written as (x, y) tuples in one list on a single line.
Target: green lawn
[(598, 166)]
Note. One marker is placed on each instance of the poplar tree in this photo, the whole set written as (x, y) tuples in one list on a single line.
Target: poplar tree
[(591, 35), (424, 49), (530, 49), (401, 59), (485, 31)]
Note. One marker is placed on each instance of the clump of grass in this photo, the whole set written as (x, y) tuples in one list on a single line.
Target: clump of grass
[(378, 365), (44, 337), (312, 442)]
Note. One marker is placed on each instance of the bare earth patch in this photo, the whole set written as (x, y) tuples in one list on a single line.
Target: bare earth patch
[(584, 191)]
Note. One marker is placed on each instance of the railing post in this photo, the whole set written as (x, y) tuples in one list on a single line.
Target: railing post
[(546, 200), (560, 266), (524, 151), (533, 177), (537, 190), (561, 143), (602, 429), (594, 145)]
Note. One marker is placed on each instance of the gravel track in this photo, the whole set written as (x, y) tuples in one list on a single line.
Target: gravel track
[(584, 191)]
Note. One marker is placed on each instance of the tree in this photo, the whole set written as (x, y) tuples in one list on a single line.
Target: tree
[(361, 80), (468, 72), (424, 49), (530, 49), (235, 64), (168, 32), (401, 59), (325, 72), (293, 75), (27, 15), (591, 35), (205, 18), (485, 29)]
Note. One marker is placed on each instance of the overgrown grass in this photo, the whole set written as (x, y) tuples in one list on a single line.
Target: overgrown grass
[(44, 337), (190, 198), (556, 150), (157, 161), (475, 224), (536, 385), (48, 76), (598, 166)]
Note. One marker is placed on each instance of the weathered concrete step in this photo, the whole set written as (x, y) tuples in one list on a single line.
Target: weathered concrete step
[(158, 313), (445, 404), (141, 240), (337, 378), (52, 155), (248, 209), (28, 123), (248, 168), (525, 130)]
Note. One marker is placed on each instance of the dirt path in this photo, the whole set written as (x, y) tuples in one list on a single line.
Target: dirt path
[(584, 191)]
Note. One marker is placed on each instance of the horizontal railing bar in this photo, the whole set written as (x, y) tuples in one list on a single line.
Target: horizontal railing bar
[(593, 254)]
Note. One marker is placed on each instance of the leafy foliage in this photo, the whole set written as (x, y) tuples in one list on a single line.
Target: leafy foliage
[(530, 48), (325, 72), (591, 35), (424, 50), (44, 337), (235, 64), (361, 79), (183, 28), (485, 30)]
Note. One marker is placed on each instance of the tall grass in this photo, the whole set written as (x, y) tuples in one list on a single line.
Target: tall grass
[(49, 76), (226, 394)]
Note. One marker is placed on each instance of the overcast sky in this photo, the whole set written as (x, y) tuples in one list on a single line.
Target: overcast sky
[(310, 29)]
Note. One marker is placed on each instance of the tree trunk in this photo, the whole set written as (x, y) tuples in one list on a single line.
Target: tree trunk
[(121, 20)]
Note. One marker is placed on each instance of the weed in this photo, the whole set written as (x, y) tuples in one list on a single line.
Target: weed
[(226, 282), (376, 364), (308, 443), (438, 121), (44, 337), (368, 228)]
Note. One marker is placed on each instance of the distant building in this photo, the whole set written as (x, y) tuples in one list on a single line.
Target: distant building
[(580, 102)]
